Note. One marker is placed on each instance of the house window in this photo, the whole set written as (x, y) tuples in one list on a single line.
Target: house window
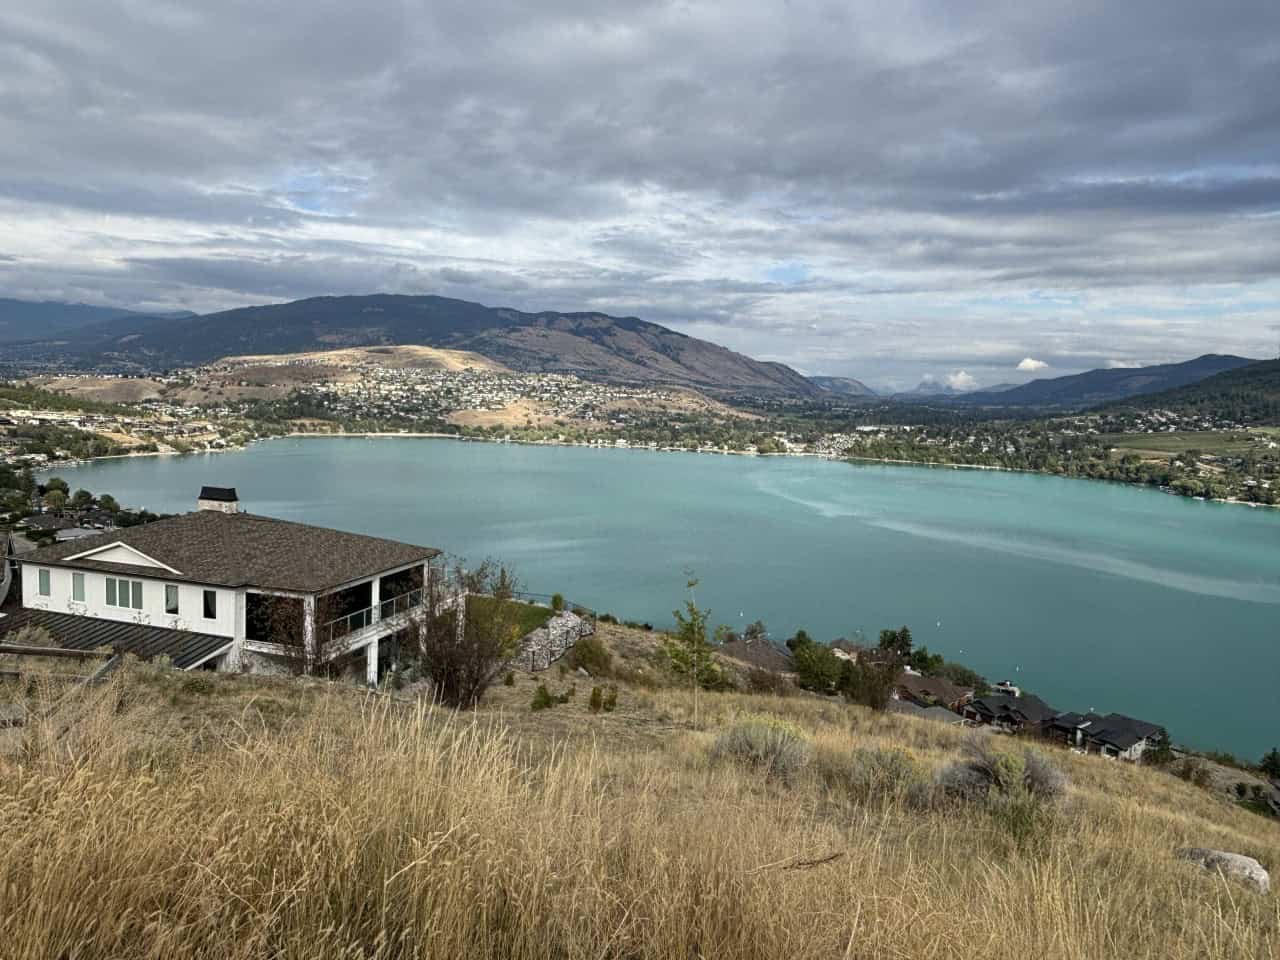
[(171, 598), (44, 583), (124, 593), (77, 587), (211, 604)]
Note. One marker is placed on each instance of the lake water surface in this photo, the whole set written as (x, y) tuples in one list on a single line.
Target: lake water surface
[(1094, 596)]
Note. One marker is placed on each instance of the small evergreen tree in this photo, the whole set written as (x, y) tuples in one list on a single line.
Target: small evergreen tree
[(1160, 751), (1270, 764)]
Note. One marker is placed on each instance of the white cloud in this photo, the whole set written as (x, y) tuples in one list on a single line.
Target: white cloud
[(1114, 364), (1030, 365), (961, 380)]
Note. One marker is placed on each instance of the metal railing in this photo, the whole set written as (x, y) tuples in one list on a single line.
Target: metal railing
[(346, 625)]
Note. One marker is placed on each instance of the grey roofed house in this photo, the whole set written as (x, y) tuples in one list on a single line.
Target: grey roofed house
[(1113, 734), (244, 550), (1005, 710)]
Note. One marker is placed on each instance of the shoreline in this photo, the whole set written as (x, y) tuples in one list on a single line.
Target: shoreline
[(932, 464), (846, 458)]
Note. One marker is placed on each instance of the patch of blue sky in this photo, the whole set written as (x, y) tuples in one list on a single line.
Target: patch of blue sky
[(788, 274), (317, 193)]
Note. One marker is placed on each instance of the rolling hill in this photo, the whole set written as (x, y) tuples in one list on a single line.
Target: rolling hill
[(1249, 394), (26, 320), (845, 386), (591, 345), (1096, 387)]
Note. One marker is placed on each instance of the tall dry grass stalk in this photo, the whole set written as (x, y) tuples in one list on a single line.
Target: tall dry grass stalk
[(367, 829)]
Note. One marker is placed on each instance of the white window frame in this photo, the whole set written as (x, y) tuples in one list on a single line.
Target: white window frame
[(77, 587), (171, 590), (207, 601), (44, 582)]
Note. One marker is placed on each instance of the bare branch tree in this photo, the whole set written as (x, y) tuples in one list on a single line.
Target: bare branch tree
[(467, 630)]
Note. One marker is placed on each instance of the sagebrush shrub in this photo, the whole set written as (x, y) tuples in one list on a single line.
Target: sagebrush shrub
[(766, 743), (1019, 791), (870, 775)]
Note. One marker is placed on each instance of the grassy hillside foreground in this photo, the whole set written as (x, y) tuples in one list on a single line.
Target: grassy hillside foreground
[(166, 815)]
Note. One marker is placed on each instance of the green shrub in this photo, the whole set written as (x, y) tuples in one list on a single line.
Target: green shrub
[(542, 699), (765, 743), (596, 704), (611, 699), (1193, 770), (197, 684), (509, 679), (591, 655), (557, 602)]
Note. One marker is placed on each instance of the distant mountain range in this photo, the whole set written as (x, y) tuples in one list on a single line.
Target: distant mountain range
[(1248, 394), (1090, 389), (25, 320), (845, 386), (592, 345)]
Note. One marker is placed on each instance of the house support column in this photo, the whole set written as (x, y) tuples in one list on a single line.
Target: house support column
[(309, 651), (371, 665), (375, 598)]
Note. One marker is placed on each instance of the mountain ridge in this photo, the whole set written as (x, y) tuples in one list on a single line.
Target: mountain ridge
[(23, 320), (1104, 385), (590, 344), (1247, 394)]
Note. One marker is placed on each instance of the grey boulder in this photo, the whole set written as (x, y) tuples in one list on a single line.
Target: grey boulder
[(1234, 865)]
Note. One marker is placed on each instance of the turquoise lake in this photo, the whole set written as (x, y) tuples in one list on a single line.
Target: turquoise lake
[(1094, 596)]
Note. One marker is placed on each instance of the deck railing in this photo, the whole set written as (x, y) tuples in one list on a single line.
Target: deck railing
[(346, 625)]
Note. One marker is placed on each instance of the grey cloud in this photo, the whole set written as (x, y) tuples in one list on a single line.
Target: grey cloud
[(940, 171)]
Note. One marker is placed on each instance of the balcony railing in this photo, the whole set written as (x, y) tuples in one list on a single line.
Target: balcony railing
[(344, 626)]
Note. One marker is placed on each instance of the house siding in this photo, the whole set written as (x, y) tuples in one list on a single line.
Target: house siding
[(190, 600)]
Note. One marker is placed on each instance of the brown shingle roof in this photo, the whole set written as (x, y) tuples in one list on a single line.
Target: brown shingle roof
[(242, 549)]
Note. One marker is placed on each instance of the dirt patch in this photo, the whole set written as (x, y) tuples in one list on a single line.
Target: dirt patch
[(522, 413), (102, 389)]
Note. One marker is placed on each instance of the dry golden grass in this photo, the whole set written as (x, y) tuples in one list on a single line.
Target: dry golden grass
[(228, 817)]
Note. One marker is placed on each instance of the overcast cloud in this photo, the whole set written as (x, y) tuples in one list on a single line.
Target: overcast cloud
[(979, 192)]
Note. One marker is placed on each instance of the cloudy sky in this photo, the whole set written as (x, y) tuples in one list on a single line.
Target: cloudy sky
[(974, 192)]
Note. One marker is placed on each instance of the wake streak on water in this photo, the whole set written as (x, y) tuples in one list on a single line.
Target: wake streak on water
[(1100, 562), (1227, 589)]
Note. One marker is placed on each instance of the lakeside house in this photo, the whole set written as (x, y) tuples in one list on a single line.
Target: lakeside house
[(1026, 713), (929, 691), (227, 590), (1113, 735)]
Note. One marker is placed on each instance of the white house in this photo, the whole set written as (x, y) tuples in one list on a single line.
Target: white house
[(226, 590)]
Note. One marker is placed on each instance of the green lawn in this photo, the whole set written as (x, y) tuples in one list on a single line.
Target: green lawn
[(528, 616)]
